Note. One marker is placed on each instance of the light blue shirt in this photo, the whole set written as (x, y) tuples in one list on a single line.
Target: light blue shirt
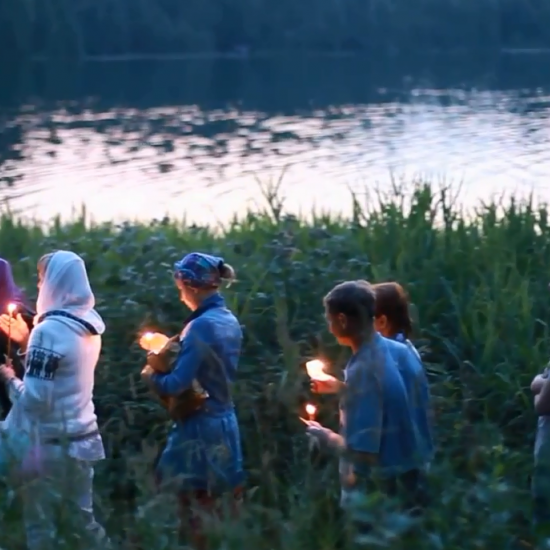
[(418, 393), (375, 413)]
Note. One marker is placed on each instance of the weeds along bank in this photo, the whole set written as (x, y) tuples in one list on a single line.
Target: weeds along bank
[(480, 289), (120, 27)]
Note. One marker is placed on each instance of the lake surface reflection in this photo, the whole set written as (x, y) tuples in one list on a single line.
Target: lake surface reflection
[(191, 138)]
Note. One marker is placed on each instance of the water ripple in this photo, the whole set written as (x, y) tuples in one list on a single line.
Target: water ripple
[(186, 161)]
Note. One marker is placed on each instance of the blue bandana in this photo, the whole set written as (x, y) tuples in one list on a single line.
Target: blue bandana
[(199, 270)]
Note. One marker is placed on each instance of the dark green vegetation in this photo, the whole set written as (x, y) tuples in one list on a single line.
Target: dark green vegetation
[(480, 289), (120, 27)]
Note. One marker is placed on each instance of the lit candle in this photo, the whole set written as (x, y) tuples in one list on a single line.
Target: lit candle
[(316, 370), (11, 310), (153, 342), (311, 410), (148, 337)]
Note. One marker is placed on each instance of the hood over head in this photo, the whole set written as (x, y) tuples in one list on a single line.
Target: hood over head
[(65, 286)]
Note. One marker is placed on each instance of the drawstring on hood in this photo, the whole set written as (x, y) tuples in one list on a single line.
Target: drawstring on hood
[(66, 288)]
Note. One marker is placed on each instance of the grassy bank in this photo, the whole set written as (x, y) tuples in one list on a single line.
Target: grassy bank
[(119, 27), (480, 289)]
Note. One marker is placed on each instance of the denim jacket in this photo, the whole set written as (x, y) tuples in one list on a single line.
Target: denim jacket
[(210, 350)]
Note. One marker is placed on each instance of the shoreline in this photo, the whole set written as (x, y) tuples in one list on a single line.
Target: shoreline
[(404, 198), (209, 56)]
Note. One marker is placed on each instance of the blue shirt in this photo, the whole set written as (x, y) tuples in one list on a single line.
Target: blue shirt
[(210, 350), (375, 413), (418, 392)]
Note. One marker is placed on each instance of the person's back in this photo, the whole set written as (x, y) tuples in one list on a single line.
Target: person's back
[(202, 460), (540, 484), (219, 331), (376, 412), (418, 393), (62, 354), (209, 353), (61, 360)]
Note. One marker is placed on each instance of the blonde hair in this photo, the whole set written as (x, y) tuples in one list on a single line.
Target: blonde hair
[(227, 273), (43, 262)]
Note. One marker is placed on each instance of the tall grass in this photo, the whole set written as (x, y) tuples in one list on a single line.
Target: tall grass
[(114, 27), (480, 290)]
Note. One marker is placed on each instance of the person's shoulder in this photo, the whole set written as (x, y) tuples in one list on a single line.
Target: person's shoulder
[(398, 349), (393, 353), (223, 320), (49, 335), (43, 329), (412, 349), (200, 325), (207, 324)]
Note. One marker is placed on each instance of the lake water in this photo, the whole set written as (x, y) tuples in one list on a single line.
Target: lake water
[(193, 138)]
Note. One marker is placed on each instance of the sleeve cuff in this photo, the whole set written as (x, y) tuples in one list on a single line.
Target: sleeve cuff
[(154, 380), (16, 387)]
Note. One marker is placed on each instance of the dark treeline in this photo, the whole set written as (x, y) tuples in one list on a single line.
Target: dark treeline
[(122, 27)]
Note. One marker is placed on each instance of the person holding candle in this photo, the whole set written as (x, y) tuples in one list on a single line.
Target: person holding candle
[(377, 442), (392, 320), (540, 482), (53, 407), (11, 296), (202, 459)]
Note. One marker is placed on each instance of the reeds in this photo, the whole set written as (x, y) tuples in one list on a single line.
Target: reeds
[(479, 284)]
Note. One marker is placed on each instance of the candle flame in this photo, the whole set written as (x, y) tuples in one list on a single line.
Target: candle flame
[(311, 409), (316, 370), (11, 308), (148, 335)]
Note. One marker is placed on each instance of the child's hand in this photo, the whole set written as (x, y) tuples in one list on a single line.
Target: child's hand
[(153, 341), (7, 373), (15, 327), (329, 385), (317, 432)]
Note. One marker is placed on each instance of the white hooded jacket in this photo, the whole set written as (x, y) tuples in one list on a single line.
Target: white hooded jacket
[(55, 400)]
